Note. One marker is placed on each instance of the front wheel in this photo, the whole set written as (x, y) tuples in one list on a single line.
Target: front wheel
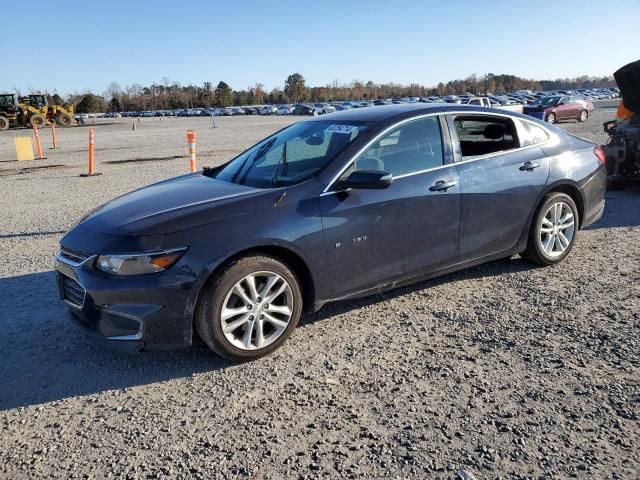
[(4, 123), (250, 309), (551, 118), (553, 231), (37, 121)]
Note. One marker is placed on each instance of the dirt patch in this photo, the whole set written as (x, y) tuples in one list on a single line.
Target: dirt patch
[(142, 160), (24, 170)]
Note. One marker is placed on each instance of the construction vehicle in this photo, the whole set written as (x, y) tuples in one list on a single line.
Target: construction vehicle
[(623, 148), (13, 114), (8, 111), (38, 104)]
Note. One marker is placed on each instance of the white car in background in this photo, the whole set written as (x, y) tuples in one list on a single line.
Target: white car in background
[(285, 110), (322, 108), (268, 110)]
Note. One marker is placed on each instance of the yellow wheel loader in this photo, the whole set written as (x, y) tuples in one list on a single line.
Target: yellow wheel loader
[(13, 114), (37, 104)]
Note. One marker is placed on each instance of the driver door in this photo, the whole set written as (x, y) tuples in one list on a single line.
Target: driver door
[(377, 237)]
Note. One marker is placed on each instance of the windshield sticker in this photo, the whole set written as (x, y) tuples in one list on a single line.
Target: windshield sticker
[(346, 129)]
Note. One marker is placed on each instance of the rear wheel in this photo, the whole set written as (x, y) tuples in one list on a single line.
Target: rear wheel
[(553, 231), (583, 116), (37, 120), (551, 118), (4, 123), (250, 309), (64, 119)]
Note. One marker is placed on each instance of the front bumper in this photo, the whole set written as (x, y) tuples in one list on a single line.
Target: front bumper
[(127, 313)]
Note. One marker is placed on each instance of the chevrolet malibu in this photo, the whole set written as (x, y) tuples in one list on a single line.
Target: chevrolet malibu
[(334, 207)]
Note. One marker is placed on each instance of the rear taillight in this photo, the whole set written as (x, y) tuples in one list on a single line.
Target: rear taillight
[(602, 158)]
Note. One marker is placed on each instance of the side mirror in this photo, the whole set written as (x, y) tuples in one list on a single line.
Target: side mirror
[(367, 179), (560, 103)]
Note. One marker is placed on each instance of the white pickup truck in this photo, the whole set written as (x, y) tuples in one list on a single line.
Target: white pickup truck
[(486, 102), (480, 101)]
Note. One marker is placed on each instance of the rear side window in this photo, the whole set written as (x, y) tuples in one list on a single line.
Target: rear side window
[(409, 148), (483, 135), (533, 134)]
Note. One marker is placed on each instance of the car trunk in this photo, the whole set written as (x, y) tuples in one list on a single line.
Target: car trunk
[(628, 80)]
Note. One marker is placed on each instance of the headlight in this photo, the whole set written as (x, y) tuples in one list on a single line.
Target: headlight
[(139, 264)]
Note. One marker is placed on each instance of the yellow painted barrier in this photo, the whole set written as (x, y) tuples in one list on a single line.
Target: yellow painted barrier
[(24, 148)]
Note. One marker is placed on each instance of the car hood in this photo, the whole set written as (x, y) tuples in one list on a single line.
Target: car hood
[(174, 205)]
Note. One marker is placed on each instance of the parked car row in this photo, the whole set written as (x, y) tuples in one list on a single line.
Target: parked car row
[(521, 97)]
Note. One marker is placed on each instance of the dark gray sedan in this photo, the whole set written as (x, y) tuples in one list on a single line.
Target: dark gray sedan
[(334, 207)]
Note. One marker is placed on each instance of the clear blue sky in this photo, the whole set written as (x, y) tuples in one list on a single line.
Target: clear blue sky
[(82, 45)]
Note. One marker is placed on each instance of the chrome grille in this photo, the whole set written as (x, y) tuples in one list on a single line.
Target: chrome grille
[(74, 256), (73, 292)]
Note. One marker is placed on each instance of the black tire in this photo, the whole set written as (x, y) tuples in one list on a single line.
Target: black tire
[(64, 119), (584, 115), (615, 184), (551, 118), (37, 120), (4, 123), (535, 251), (208, 321)]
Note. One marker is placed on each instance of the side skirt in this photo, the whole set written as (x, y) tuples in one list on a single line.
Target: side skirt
[(519, 248)]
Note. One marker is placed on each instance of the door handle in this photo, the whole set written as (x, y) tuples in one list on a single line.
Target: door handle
[(442, 186), (529, 166)]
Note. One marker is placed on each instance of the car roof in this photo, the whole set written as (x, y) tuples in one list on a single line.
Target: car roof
[(386, 113)]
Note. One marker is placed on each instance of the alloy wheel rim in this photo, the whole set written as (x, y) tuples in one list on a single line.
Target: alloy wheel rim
[(557, 229), (583, 116), (551, 118), (257, 310)]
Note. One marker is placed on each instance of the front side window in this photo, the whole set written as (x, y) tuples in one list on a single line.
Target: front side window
[(409, 148), (482, 135), (549, 101), (292, 155)]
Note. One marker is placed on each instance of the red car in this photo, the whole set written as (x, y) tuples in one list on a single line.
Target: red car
[(560, 107)]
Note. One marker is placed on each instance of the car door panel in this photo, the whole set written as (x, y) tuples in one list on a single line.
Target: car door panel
[(497, 194), (374, 237), (565, 110)]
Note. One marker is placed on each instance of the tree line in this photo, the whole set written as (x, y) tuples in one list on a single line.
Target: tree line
[(167, 95)]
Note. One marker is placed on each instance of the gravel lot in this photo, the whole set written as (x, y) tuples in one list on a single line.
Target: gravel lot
[(503, 370)]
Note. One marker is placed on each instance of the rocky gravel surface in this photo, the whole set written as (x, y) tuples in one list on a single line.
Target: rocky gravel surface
[(503, 371)]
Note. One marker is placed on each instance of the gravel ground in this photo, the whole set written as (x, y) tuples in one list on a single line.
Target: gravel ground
[(503, 370)]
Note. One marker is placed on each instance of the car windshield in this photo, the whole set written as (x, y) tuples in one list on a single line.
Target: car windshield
[(291, 155), (549, 101)]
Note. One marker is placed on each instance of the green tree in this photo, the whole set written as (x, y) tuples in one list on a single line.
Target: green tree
[(57, 99), (89, 104), (224, 95), (114, 104), (277, 96), (294, 87)]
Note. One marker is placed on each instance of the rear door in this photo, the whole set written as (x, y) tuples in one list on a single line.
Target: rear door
[(375, 237), (502, 173)]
